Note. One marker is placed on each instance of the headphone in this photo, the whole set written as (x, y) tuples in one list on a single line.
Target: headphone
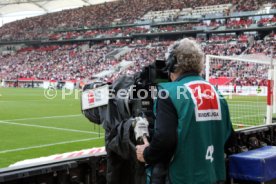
[(171, 60)]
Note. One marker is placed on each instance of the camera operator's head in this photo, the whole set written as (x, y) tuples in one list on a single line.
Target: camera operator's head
[(185, 56)]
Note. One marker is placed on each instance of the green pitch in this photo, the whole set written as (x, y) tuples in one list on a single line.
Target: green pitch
[(246, 111), (33, 126)]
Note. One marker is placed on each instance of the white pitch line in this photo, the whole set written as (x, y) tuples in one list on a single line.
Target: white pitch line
[(45, 117), (20, 100), (48, 145), (247, 105), (29, 94), (247, 116), (244, 102), (48, 127), (241, 125), (254, 105)]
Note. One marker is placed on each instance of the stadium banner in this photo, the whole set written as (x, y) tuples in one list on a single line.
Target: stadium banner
[(243, 90), (60, 157), (49, 84), (69, 85)]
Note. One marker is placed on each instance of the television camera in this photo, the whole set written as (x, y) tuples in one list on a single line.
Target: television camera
[(133, 96), (120, 108)]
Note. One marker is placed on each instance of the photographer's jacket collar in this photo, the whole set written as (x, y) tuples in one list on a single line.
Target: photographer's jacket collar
[(186, 75)]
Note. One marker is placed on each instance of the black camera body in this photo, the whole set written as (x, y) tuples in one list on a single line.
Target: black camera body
[(140, 91)]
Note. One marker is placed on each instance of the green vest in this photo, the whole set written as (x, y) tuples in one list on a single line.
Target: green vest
[(203, 127)]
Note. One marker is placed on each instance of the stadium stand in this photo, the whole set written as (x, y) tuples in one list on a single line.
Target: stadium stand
[(266, 21), (161, 16), (222, 38), (250, 5), (241, 23), (118, 12), (215, 9), (73, 62)]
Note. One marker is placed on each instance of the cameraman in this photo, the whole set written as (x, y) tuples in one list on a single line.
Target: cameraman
[(192, 124)]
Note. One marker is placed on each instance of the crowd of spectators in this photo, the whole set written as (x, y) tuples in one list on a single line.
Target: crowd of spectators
[(66, 62), (251, 5), (229, 49), (129, 31), (88, 16), (222, 38), (141, 56), (172, 28), (244, 73), (241, 73), (126, 31), (75, 62), (111, 32), (116, 12), (263, 47), (240, 23), (266, 21)]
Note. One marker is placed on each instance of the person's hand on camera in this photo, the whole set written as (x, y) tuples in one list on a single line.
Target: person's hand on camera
[(141, 127), (140, 149)]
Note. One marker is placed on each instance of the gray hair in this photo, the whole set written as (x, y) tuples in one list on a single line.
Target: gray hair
[(189, 56)]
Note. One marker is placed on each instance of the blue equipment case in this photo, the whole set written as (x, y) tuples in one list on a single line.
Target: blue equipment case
[(257, 165)]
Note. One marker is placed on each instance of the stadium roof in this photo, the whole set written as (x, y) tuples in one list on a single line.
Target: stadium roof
[(11, 10)]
